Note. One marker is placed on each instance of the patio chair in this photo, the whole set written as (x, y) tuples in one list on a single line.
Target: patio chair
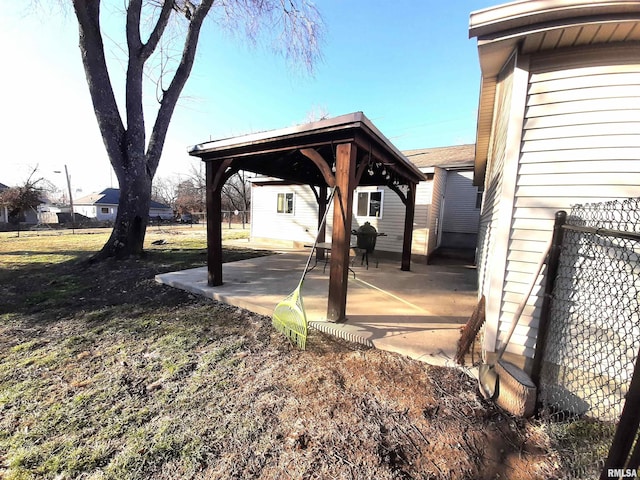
[(366, 237)]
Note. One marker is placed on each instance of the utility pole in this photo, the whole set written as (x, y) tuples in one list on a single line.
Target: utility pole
[(73, 213)]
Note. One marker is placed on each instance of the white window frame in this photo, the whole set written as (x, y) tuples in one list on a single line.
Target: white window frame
[(368, 193), (103, 212), (293, 203)]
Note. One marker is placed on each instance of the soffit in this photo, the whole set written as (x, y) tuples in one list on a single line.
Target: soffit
[(534, 26)]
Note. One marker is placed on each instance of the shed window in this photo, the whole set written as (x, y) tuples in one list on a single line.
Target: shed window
[(104, 209), (369, 204), (285, 203)]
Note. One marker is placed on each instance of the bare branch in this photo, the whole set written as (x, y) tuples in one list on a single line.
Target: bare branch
[(95, 67), (158, 31), (169, 100)]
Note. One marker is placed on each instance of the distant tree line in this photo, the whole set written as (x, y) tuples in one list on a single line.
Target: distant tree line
[(189, 195)]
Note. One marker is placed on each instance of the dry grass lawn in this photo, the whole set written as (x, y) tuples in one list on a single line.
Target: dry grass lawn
[(106, 374)]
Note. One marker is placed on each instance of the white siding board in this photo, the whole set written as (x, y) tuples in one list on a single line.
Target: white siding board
[(580, 131), (586, 93), (597, 105), (583, 118), (529, 234), (595, 80), (589, 178), (553, 203), (533, 224), (593, 166), (596, 192), (582, 154), (581, 142)]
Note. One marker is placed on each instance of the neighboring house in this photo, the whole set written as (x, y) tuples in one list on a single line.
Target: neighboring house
[(447, 208), (558, 125), (30, 217), (4, 210), (103, 206)]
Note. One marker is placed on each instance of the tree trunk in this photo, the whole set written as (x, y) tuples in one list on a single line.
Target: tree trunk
[(129, 229)]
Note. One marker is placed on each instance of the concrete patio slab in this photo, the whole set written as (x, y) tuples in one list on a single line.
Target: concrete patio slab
[(417, 313)]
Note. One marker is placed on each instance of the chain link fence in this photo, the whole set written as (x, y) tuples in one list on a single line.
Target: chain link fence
[(593, 335)]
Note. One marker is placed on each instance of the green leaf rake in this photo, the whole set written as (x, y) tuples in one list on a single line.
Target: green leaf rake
[(289, 316)]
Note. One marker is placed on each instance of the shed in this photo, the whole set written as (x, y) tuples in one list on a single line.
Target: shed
[(447, 210), (558, 125), (341, 152)]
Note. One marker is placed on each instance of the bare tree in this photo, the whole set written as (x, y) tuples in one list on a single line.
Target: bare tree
[(237, 192), (165, 190), (25, 197), (189, 197), (135, 157)]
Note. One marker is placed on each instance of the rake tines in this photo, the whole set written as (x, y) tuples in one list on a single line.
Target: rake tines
[(289, 318)]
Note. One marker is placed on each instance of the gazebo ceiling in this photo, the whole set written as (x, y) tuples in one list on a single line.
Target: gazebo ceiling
[(284, 153)]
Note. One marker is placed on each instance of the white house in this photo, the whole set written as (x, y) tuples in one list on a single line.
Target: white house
[(558, 125), (103, 206), (4, 210), (447, 208)]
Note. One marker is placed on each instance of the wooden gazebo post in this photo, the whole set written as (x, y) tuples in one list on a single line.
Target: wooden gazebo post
[(341, 236), (410, 209), (216, 175)]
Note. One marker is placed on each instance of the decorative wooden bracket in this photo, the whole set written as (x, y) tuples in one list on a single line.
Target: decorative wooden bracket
[(322, 165)]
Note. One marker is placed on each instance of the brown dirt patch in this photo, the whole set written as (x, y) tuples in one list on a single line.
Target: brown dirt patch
[(121, 377)]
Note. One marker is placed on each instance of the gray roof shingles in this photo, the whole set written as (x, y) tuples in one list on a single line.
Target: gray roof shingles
[(458, 156)]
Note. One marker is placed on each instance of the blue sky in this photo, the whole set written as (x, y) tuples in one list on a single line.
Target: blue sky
[(408, 65)]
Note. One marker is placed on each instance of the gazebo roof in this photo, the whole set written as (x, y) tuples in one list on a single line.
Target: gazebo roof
[(277, 153)]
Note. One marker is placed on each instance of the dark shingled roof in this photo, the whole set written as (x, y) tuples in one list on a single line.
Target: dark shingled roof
[(110, 196), (458, 156)]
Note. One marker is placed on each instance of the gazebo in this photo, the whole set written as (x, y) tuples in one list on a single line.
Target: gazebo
[(342, 153)]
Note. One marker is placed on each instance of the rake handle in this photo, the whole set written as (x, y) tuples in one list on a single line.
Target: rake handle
[(315, 243), (523, 302)]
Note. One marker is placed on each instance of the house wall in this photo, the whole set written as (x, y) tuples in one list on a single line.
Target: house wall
[(580, 143), (88, 211), (460, 217), (266, 223), (422, 231), (301, 226), (491, 260), (435, 214)]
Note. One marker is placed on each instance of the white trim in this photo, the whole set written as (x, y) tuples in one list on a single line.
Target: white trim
[(293, 202), (357, 200), (507, 197)]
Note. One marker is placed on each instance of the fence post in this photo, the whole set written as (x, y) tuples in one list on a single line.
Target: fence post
[(545, 311), (627, 427)]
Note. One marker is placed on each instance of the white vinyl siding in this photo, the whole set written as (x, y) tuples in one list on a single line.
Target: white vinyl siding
[(460, 213), (421, 231), (301, 226), (581, 144), (439, 186), (391, 223)]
